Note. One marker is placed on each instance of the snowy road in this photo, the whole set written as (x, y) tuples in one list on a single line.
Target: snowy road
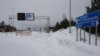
[(60, 43)]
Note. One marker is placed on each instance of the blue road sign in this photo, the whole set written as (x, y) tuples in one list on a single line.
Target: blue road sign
[(81, 19), (89, 17), (30, 16), (87, 24), (88, 20)]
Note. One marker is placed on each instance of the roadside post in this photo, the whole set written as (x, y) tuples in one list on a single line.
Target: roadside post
[(84, 35), (96, 34), (89, 35), (76, 34), (80, 34)]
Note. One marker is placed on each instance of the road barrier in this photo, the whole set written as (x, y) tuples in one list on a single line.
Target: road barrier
[(23, 33)]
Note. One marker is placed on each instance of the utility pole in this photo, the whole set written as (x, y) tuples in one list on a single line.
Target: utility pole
[(70, 16)]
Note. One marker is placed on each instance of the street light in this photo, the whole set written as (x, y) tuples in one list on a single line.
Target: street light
[(70, 16)]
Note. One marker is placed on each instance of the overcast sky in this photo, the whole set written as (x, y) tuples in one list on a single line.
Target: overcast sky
[(53, 8)]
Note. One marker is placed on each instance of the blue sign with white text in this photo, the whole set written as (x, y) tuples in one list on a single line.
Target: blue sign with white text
[(29, 16), (87, 24), (88, 20)]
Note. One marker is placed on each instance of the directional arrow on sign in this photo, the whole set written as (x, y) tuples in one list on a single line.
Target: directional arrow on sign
[(97, 23)]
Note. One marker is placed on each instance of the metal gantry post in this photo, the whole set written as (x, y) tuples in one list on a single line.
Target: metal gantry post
[(10, 20), (48, 24)]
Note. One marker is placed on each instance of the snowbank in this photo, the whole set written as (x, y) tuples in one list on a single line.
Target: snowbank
[(60, 43)]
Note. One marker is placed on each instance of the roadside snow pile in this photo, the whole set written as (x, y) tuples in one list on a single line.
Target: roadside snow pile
[(60, 43), (69, 40)]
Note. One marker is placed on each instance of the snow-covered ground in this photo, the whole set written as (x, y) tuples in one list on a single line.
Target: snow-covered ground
[(59, 43)]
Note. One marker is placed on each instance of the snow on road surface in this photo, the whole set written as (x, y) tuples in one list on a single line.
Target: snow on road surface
[(59, 43)]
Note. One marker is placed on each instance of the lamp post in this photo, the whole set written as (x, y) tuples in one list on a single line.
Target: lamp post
[(13, 10), (70, 16)]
